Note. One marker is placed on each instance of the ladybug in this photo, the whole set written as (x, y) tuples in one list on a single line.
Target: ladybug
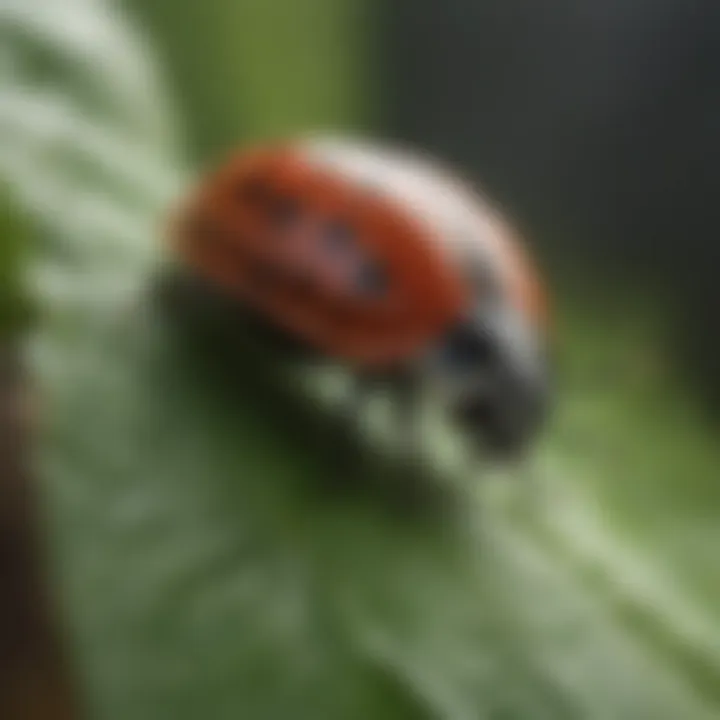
[(383, 260)]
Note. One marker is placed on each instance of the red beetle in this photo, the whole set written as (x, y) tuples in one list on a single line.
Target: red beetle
[(380, 258)]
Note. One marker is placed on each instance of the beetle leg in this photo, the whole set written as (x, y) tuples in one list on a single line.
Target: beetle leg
[(355, 401), (405, 394), (346, 446)]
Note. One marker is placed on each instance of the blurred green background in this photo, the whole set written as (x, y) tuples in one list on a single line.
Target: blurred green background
[(197, 570)]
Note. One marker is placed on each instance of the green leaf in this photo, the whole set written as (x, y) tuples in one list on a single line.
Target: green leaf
[(15, 306), (210, 556), (208, 569)]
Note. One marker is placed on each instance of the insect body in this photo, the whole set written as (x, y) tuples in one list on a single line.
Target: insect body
[(378, 258)]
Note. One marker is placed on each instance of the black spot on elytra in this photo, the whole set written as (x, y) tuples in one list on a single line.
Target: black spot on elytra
[(371, 279), (338, 236), (283, 212)]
